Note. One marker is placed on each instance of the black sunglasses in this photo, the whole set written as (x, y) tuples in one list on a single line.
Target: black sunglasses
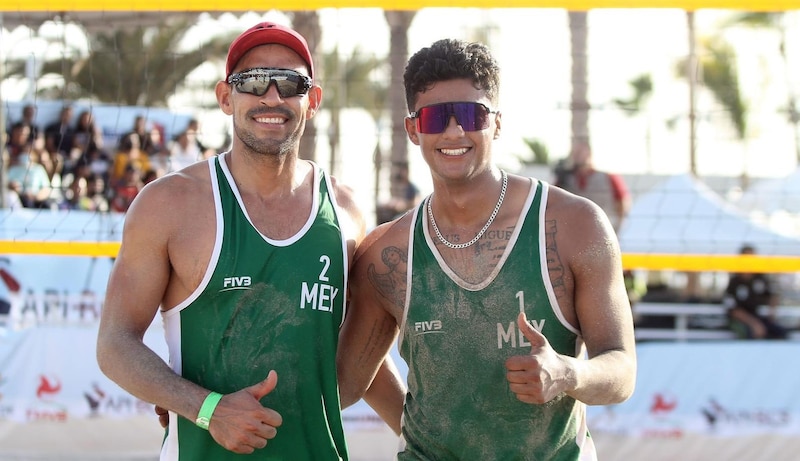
[(257, 81), (433, 119)]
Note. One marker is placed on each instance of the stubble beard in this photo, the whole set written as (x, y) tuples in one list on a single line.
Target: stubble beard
[(268, 147), (273, 147)]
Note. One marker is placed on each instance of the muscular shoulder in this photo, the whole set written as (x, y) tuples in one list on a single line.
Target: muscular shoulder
[(381, 265), (174, 200), (582, 230)]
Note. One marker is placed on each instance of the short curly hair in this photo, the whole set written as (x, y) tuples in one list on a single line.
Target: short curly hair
[(450, 59)]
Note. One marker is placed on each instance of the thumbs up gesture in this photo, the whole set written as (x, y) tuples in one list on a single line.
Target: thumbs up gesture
[(240, 423), (541, 375)]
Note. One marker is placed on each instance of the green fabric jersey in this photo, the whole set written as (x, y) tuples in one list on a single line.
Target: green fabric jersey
[(265, 304), (456, 338)]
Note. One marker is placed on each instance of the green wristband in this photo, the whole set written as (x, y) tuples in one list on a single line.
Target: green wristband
[(207, 409)]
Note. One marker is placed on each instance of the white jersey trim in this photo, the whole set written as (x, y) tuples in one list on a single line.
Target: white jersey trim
[(171, 318), (551, 294), (409, 265), (311, 217), (339, 212), (493, 275)]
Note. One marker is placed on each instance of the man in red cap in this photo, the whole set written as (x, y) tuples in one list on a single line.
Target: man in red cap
[(246, 257)]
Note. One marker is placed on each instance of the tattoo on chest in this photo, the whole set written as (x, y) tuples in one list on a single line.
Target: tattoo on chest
[(490, 246), (390, 279), (554, 266)]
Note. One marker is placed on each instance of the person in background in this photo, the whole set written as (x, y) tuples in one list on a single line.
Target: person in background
[(18, 139), (746, 294), (29, 118), (194, 127), (408, 198), (608, 190), (184, 151), (58, 135), (87, 137), (144, 137), (507, 293), (245, 256), (95, 197), (126, 189), (28, 178), (129, 155)]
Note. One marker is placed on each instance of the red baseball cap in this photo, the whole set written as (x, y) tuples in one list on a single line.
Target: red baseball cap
[(267, 33)]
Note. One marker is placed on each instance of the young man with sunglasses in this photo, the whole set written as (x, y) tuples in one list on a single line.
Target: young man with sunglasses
[(507, 293), (246, 257)]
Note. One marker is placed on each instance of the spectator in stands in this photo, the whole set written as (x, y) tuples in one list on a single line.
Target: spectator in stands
[(58, 141), (129, 154), (92, 197), (184, 151), (29, 179), (156, 140), (194, 127), (29, 118), (746, 294), (127, 189), (141, 133), (18, 139), (58, 135), (100, 163), (86, 138)]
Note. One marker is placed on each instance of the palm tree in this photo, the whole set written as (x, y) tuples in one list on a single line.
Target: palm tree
[(642, 87), (579, 104), (348, 84), (717, 64), (714, 66), (399, 22), (775, 21), (134, 66), (306, 23)]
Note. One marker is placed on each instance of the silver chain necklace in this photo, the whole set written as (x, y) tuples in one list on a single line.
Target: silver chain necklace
[(457, 246)]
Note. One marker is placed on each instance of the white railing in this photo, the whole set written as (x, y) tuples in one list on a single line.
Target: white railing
[(683, 313)]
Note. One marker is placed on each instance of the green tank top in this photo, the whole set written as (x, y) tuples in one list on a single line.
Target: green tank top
[(456, 338), (265, 304)]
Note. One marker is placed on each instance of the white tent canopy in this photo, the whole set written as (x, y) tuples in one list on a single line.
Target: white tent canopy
[(773, 195), (684, 216)]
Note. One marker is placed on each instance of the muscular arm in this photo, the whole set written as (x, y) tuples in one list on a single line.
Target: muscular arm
[(584, 256), (605, 320), (140, 279), (366, 337), (135, 289), (386, 394)]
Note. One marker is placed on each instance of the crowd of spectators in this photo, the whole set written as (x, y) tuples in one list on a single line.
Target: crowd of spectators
[(67, 165)]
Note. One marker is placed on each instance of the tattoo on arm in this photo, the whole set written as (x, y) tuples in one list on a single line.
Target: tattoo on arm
[(391, 284), (554, 266)]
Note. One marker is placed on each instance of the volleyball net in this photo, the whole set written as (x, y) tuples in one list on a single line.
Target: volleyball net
[(696, 224)]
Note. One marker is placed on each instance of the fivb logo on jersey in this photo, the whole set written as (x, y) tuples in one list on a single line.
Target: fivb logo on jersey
[(510, 336), (237, 283), (319, 295)]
